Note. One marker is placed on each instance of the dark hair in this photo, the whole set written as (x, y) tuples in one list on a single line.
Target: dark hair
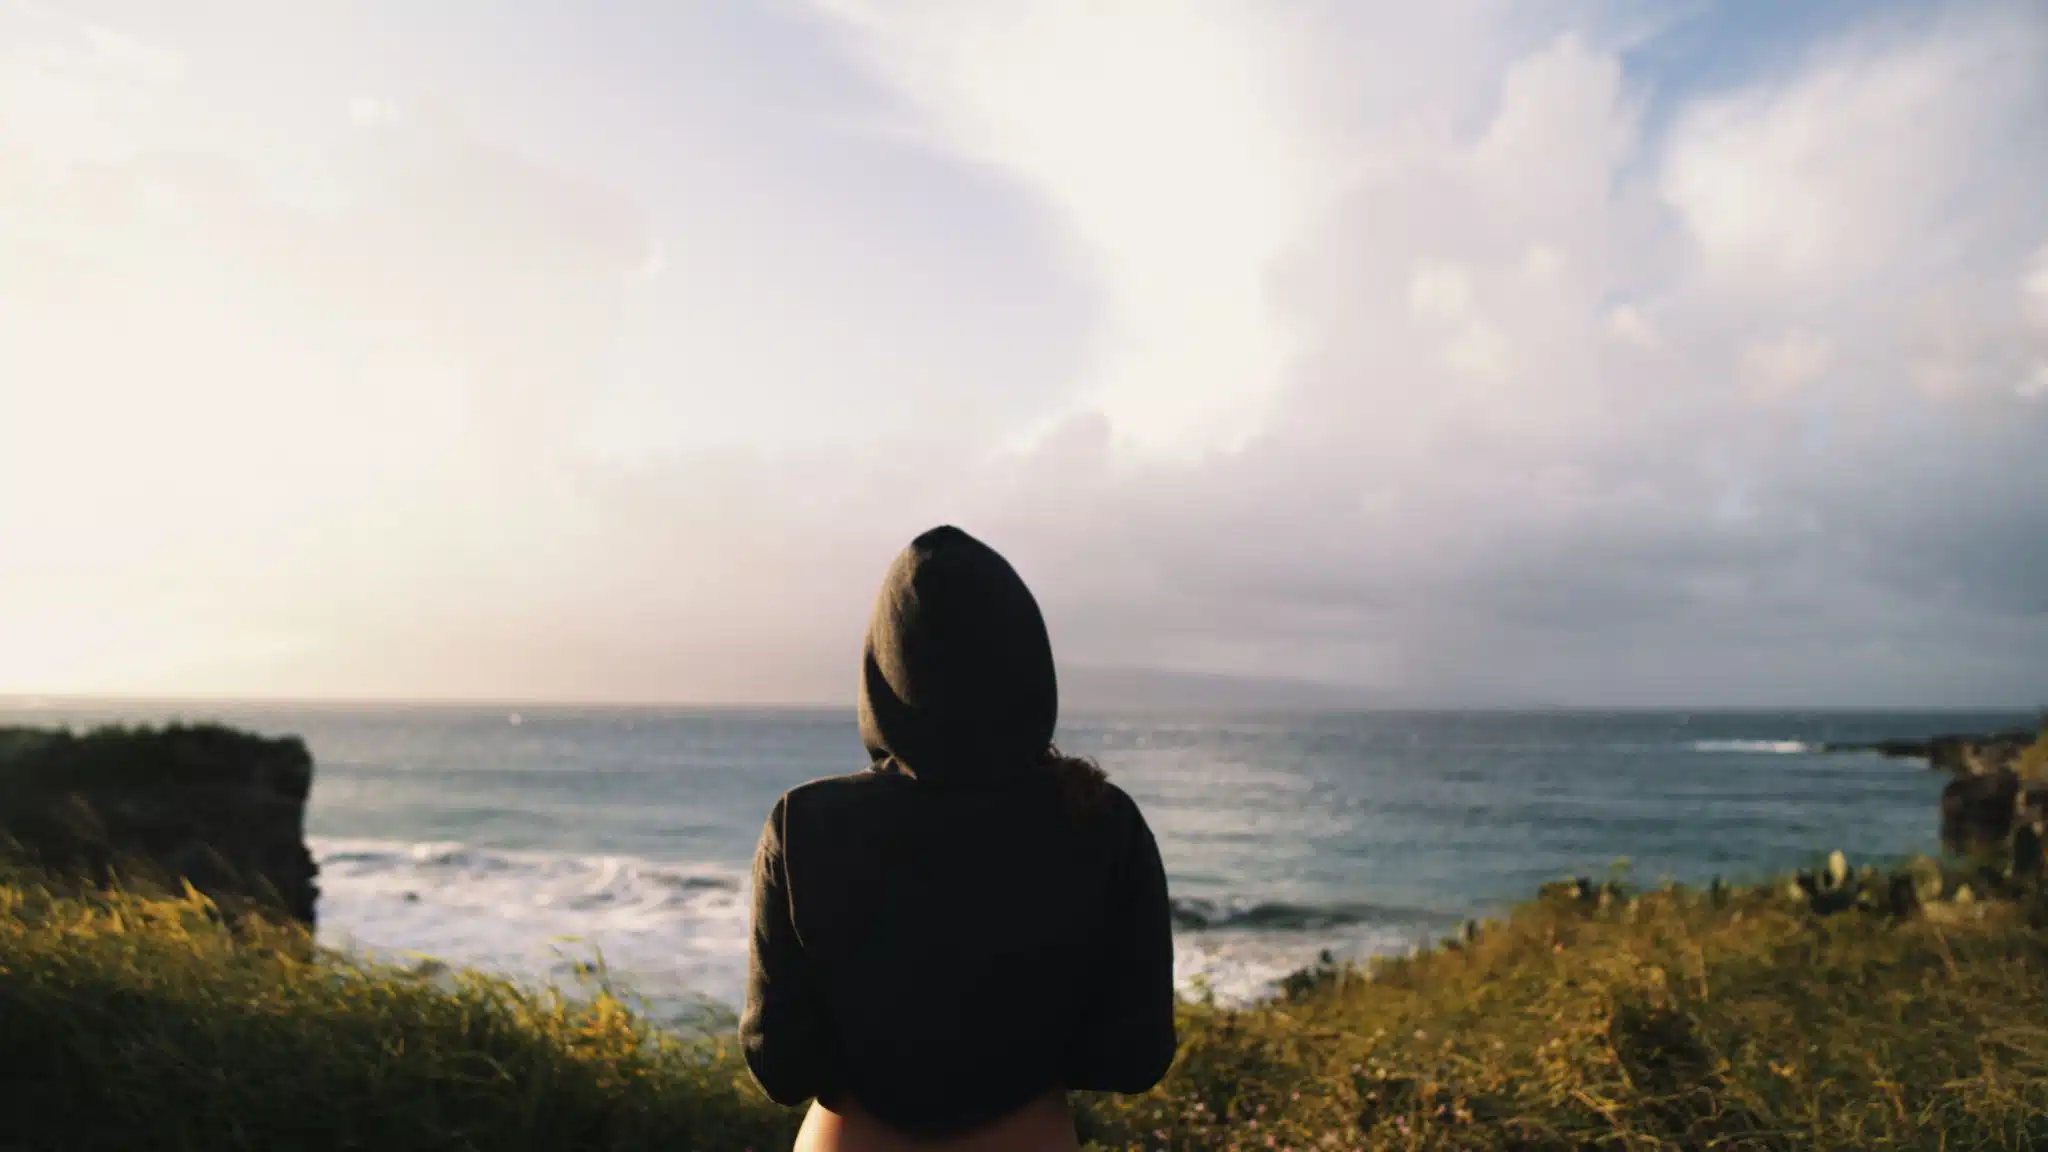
[(1083, 785)]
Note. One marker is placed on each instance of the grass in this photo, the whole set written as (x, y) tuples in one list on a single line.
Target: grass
[(132, 1021), (1673, 1018), (2033, 763)]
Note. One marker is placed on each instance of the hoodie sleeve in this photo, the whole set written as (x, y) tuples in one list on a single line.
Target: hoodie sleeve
[(1126, 1039), (782, 1023)]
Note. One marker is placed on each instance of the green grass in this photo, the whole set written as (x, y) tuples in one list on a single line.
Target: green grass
[(137, 1022), (1674, 1019)]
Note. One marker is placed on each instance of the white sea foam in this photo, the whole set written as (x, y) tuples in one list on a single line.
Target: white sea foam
[(1239, 968), (1753, 747), (673, 935)]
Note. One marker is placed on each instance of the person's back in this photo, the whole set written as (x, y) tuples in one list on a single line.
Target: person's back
[(947, 941)]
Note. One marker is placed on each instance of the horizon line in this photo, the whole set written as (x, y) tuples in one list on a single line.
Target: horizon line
[(38, 701)]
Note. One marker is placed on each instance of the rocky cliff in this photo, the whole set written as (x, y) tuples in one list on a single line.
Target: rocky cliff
[(1996, 805), (222, 809), (1970, 754)]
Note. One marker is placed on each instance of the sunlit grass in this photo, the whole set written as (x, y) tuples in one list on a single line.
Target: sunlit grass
[(1678, 1019), (1673, 1019), (137, 1022), (2032, 764)]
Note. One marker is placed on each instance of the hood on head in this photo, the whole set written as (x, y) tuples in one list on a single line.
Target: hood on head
[(957, 679)]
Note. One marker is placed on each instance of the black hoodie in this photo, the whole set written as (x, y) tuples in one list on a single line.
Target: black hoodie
[(958, 929)]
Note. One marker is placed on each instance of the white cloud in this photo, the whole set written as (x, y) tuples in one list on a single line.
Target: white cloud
[(2035, 386), (2034, 289), (1629, 325), (370, 111), (1816, 179), (1413, 314), (1479, 351), (1777, 368), (145, 61), (1541, 264), (1175, 142), (1440, 293)]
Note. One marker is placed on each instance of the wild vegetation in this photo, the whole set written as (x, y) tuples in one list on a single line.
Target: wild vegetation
[(1786, 1015), (1850, 1008)]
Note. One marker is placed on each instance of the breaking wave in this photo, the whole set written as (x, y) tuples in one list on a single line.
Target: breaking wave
[(1754, 747), (1195, 914), (676, 935)]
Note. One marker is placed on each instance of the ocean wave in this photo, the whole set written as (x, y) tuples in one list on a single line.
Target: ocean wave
[(671, 931), (1197, 914), (1754, 747), (675, 936), (440, 862), (1240, 968)]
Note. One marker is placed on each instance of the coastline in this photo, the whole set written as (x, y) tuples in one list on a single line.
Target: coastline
[(1852, 1004)]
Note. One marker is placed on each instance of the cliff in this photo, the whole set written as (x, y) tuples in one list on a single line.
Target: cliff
[(1996, 805), (222, 809), (1962, 754)]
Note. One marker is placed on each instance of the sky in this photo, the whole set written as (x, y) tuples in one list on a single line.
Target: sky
[(1485, 352)]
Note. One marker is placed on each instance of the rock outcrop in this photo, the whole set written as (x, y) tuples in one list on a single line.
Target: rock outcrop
[(1997, 803), (1958, 754), (222, 809)]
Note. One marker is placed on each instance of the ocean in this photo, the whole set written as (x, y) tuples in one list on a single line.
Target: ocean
[(533, 841)]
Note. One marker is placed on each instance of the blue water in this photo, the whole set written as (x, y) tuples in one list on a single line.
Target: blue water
[(523, 841)]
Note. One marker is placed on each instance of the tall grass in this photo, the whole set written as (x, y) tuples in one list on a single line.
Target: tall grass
[(1676, 1020), (2032, 764), (137, 1021), (1673, 1019)]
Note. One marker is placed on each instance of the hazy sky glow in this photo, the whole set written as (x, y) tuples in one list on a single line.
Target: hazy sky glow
[(1479, 352)]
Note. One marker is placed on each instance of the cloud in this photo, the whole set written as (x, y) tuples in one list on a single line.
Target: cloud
[(1808, 183), (1440, 293), (1629, 324), (1775, 369), (2034, 387), (368, 111), (1470, 488), (1419, 350), (1174, 144), (229, 425)]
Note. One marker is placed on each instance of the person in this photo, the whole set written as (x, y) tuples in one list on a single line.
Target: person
[(948, 942)]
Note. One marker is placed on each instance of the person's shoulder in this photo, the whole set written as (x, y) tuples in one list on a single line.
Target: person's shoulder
[(1114, 811), (835, 791), (1119, 800)]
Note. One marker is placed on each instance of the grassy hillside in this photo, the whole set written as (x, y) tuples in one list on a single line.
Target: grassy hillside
[(131, 1022), (1672, 1019)]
